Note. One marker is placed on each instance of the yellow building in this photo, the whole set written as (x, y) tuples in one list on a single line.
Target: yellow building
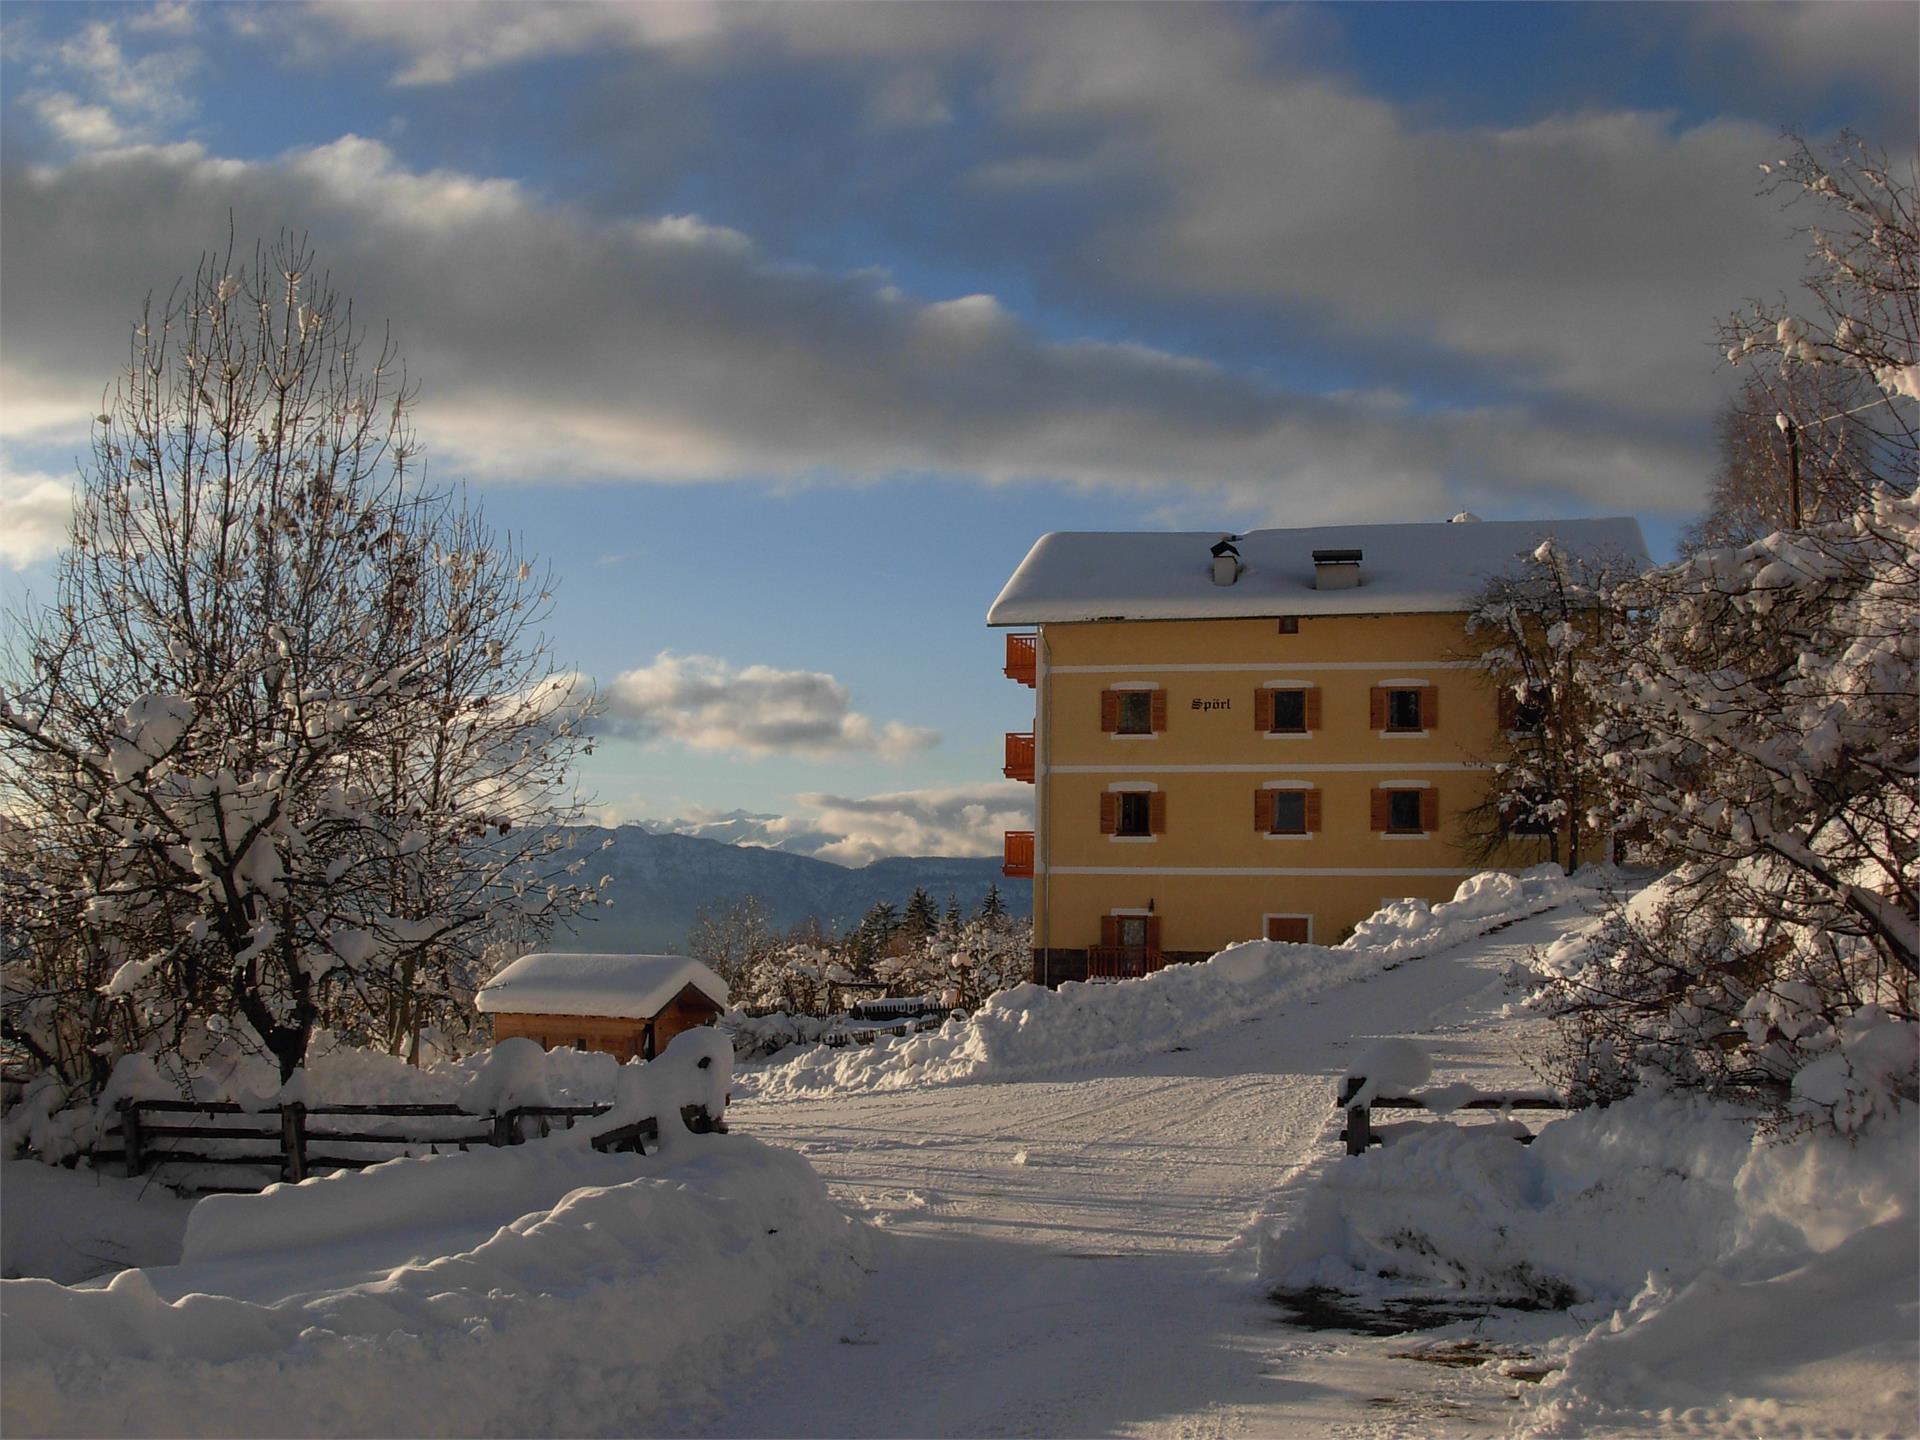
[(1264, 735)]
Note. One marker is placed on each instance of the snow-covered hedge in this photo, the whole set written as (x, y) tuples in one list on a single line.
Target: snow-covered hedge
[(1030, 1028), (1706, 1268)]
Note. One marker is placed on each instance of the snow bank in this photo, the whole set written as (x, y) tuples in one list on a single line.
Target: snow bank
[(562, 1291), (1030, 1028), (1734, 1279)]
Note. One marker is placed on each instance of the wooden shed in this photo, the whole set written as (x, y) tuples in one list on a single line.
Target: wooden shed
[(624, 1005)]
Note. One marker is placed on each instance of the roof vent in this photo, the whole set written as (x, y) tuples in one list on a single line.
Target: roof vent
[(1336, 569), (1226, 561)]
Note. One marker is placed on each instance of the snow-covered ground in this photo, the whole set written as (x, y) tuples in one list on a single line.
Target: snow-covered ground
[(1078, 1249)]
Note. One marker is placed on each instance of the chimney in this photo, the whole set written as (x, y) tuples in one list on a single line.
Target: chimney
[(1226, 562), (1336, 569)]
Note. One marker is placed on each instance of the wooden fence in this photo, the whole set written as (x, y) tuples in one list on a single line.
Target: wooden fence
[(1359, 1133), (294, 1138)]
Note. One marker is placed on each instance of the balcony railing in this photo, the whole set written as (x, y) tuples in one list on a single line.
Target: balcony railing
[(1018, 860), (1122, 962), (1019, 756), (1023, 658)]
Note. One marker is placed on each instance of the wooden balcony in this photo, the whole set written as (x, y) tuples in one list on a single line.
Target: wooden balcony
[(1023, 658), (1019, 756), (1122, 962), (1018, 861)]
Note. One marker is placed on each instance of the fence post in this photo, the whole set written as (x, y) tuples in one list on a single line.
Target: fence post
[(293, 1142), (1359, 1126), (130, 1135), (504, 1130)]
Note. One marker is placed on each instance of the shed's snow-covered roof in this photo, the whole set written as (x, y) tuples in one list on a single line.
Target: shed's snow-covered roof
[(619, 987), (1405, 569)]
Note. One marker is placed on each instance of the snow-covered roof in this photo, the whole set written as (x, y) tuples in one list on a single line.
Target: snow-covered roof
[(1405, 569), (618, 987)]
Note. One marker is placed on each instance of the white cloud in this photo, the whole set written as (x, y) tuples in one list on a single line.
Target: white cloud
[(34, 512), (75, 123), (956, 820), (951, 820), (708, 704)]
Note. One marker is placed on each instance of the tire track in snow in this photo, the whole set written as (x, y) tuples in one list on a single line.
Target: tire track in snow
[(1092, 1287)]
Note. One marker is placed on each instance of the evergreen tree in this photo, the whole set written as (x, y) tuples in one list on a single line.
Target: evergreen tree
[(993, 907), (950, 922), (921, 919)]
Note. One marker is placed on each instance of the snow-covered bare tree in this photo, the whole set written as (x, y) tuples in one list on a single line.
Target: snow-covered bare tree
[(1826, 471), (1534, 631), (1839, 379), (287, 749)]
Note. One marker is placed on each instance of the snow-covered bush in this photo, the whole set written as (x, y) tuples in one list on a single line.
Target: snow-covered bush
[(1762, 729)]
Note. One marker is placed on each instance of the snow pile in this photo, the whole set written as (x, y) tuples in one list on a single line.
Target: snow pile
[(1711, 1274), (1029, 1028), (542, 1289)]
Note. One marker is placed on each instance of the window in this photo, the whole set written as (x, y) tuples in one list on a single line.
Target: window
[(1403, 710), (1288, 711), (1406, 810), (1524, 712), (1292, 929), (1288, 625), (1286, 812), (1133, 931), (1133, 813), (1524, 817), (1133, 712)]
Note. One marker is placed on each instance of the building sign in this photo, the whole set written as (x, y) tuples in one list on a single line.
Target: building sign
[(1213, 704)]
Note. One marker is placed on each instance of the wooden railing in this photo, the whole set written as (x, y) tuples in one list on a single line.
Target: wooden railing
[(1358, 1133), (1019, 756), (281, 1138), (1122, 962), (1023, 658), (1017, 861)]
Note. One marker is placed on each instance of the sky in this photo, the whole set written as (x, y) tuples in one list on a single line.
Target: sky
[(781, 332)]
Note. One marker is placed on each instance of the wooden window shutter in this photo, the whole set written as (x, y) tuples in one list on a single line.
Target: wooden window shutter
[(1110, 710), (1376, 710), (1263, 810), (1506, 709), (1313, 811), (1158, 706), (1153, 932), (1109, 814), (1382, 807), (1430, 707), (1313, 708), (1430, 810), (1263, 709), (1109, 929), (1157, 812)]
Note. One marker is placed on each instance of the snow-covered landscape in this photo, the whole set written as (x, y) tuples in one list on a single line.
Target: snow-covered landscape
[(981, 1243), (542, 894)]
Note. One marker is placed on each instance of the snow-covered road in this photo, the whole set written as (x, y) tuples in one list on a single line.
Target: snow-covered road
[(1061, 1257)]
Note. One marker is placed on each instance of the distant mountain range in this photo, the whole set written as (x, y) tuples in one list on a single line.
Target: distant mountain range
[(660, 881)]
